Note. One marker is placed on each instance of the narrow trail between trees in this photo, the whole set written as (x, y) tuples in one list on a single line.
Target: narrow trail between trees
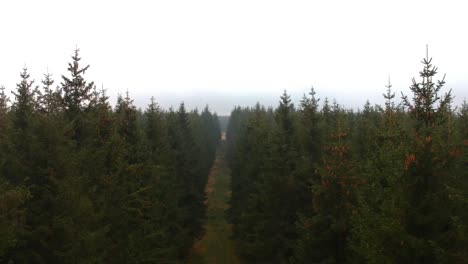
[(216, 245)]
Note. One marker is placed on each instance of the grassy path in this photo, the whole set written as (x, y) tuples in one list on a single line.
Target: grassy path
[(216, 246)]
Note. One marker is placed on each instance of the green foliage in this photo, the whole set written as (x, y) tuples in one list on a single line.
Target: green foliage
[(430, 179), (326, 232), (76, 90), (12, 217), (82, 182), (382, 185), (310, 131)]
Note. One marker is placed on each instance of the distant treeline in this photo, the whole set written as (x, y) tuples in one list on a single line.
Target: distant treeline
[(319, 184), (223, 122), (84, 182)]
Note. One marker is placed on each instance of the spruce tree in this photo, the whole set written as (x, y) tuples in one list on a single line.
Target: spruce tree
[(251, 209), (154, 131), (378, 221), (285, 190), (127, 126), (12, 197), (3, 106), (47, 99), (25, 101), (326, 233), (76, 96), (75, 88), (22, 114), (4, 124), (310, 120), (365, 133), (428, 175)]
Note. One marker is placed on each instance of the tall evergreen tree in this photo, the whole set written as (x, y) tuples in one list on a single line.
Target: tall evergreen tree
[(4, 123), (428, 173), (326, 233), (75, 88), (250, 201), (50, 100), (22, 114), (378, 222), (76, 95), (154, 131), (310, 121), (25, 101)]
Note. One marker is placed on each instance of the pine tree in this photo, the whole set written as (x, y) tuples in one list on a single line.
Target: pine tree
[(428, 173), (378, 222), (48, 102), (327, 118), (208, 138), (232, 133), (284, 189), (325, 235), (25, 101), (250, 210), (365, 133), (154, 131), (4, 124), (3, 107), (12, 198), (463, 131), (127, 126), (188, 199), (192, 199), (76, 90), (76, 96), (22, 115), (310, 119)]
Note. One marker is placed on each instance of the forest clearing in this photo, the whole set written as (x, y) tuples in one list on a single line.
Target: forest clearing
[(216, 245)]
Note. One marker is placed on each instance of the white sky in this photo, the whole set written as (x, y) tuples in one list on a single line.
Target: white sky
[(225, 53)]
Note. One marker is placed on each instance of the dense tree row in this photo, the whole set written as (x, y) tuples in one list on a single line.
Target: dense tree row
[(84, 182), (321, 184)]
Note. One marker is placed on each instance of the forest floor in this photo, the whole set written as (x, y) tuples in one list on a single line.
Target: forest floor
[(216, 245)]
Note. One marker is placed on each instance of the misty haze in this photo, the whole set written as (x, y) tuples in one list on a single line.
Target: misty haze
[(233, 132)]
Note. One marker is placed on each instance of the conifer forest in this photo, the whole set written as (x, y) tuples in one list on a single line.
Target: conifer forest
[(86, 180)]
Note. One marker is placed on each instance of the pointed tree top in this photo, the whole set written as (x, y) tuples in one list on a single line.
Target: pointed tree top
[(24, 74), (285, 99), (182, 107)]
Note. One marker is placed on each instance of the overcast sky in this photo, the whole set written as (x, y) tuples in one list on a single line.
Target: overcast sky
[(226, 53)]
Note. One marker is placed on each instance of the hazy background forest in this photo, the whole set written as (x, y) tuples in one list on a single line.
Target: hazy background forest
[(233, 132), (86, 182)]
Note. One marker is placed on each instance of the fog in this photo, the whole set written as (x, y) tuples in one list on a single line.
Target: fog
[(236, 53)]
